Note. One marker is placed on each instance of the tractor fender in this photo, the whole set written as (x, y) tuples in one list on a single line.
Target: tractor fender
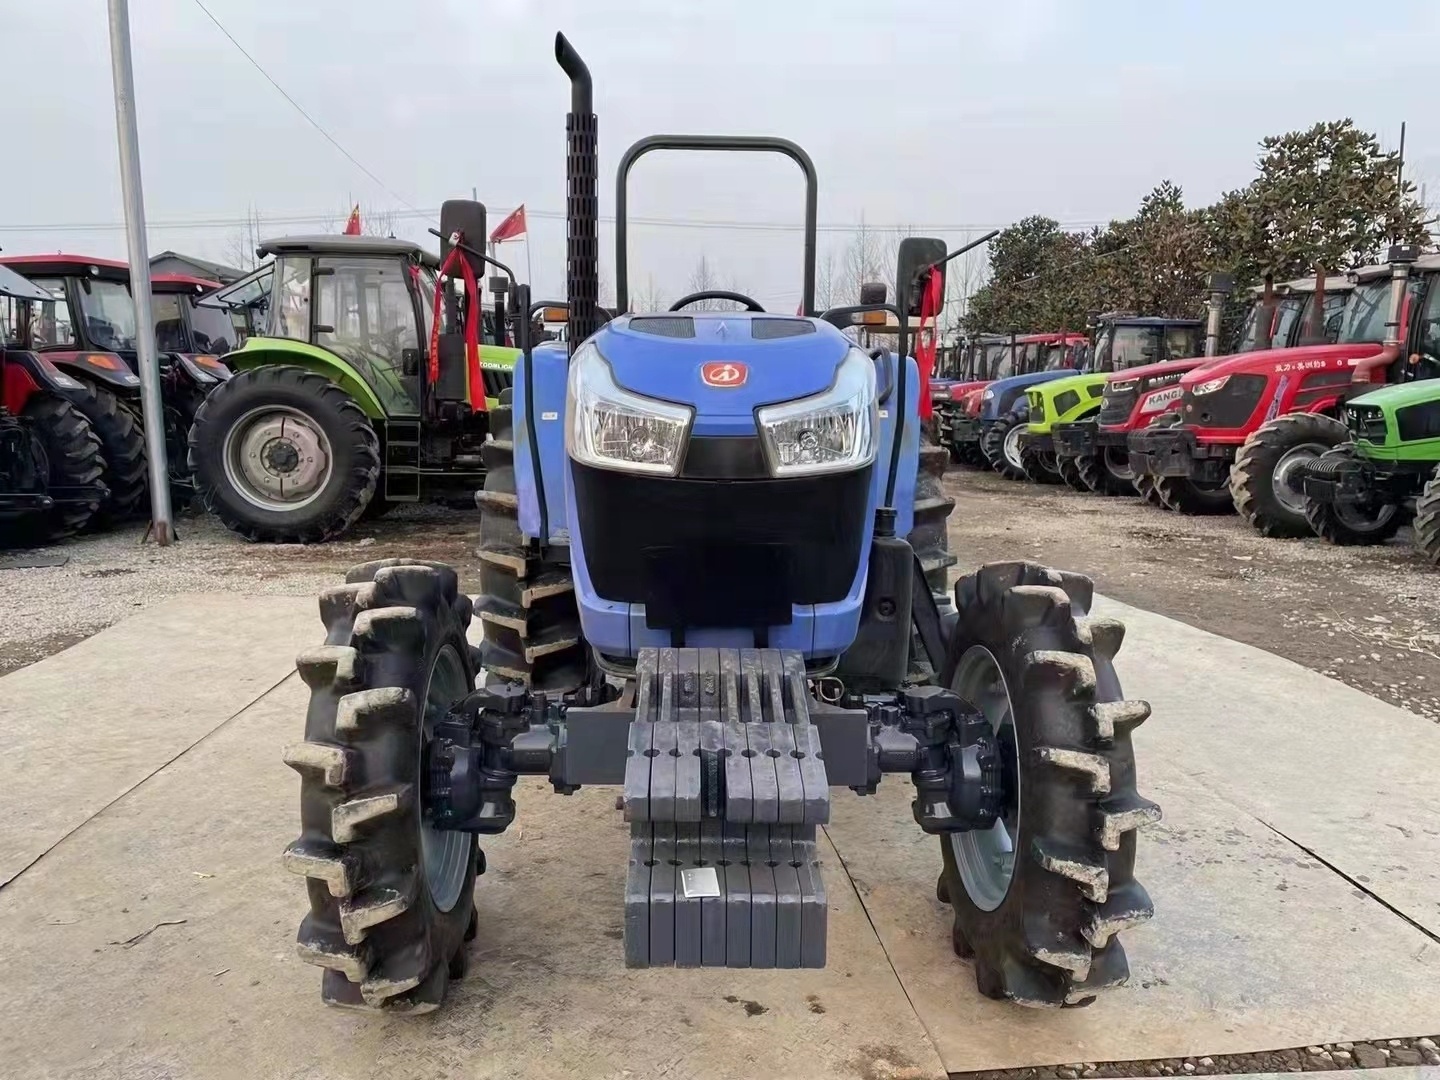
[(29, 373), (99, 367), (264, 352)]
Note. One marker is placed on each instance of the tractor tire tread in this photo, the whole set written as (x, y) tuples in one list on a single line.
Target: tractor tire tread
[(1251, 477), (74, 457), (1426, 524), (122, 443)]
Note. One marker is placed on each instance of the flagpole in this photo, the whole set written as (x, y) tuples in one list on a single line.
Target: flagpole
[(529, 273)]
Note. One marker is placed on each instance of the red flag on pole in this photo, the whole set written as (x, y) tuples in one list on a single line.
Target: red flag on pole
[(352, 227), (511, 227)]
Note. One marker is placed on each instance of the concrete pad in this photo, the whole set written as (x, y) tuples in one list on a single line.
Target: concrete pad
[(222, 994), (1347, 776), (81, 728)]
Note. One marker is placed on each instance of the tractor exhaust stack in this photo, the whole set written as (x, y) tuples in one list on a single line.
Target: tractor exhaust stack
[(1218, 286), (582, 201)]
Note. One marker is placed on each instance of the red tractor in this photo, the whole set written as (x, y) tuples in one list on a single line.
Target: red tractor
[(1266, 412), (50, 460)]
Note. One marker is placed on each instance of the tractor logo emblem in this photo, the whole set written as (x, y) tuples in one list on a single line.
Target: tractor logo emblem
[(723, 373)]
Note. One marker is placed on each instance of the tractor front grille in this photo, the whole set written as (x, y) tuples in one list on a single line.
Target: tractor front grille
[(1065, 401), (496, 379), (1118, 402), (1229, 407), (1365, 422)]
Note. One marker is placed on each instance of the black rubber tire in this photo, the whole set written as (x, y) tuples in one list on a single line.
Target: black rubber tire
[(1069, 469), (355, 473), (1098, 477), (989, 445), (993, 443), (71, 458), (929, 534), (956, 457), (122, 444), (527, 605), (1186, 496), (1427, 519), (373, 922), (182, 402), (1253, 474), (1329, 525), (1051, 939), (1040, 466)]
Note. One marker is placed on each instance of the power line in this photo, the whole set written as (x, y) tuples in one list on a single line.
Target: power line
[(303, 218), (301, 109)]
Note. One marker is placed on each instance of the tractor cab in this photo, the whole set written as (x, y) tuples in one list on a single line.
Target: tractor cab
[(987, 357)]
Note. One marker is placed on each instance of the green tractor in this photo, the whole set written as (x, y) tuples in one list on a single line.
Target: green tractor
[(1364, 491), (368, 382)]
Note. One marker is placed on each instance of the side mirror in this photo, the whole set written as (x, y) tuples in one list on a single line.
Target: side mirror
[(466, 217), (916, 254)]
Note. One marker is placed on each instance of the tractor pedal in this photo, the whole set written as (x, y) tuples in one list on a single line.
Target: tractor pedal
[(723, 894)]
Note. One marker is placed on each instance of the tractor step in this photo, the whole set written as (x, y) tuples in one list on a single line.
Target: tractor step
[(725, 783), (722, 894)]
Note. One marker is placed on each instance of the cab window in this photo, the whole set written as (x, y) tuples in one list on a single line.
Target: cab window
[(50, 324)]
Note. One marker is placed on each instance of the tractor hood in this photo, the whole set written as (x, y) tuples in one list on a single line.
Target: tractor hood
[(1160, 370), (999, 395), (1266, 361), (1401, 395), (959, 390), (725, 364)]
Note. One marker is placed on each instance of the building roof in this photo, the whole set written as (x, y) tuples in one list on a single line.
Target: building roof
[(212, 270)]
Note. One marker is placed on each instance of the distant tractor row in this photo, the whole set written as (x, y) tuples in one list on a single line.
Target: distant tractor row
[(1327, 423)]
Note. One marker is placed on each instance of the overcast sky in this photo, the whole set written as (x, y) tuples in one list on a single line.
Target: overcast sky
[(943, 116)]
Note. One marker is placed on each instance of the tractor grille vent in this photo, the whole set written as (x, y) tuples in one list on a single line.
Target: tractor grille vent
[(1419, 422), (496, 379), (673, 326), (769, 329), (1116, 406), (1366, 422)]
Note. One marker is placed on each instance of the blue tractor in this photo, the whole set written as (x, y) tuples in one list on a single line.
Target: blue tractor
[(709, 562)]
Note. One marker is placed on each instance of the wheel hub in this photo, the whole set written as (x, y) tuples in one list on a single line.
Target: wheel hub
[(1011, 446), (444, 852), (1117, 463), (1286, 480), (278, 458), (986, 858)]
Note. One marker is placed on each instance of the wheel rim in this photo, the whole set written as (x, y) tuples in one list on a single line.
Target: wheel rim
[(1117, 464), (444, 852), (986, 858), (277, 458), (1011, 447), (1285, 481)]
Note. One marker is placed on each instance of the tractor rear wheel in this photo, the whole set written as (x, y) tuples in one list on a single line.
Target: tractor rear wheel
[(122, 443), (1427, 519), (1039, 898), (527, 606), (391, 899), (282, 454), (66, 453), (1348, 525), (1001, 444), (929, 534), (1069, 470), (1265, 481), (1186, 496)]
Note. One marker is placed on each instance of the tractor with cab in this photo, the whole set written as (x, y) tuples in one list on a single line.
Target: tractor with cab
[(50, 458), (1004, 409), (702, 547), (1245, 424), (1063, 413), (990, 357), (369, 383)]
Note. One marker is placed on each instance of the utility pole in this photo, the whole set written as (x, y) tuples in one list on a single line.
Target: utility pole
[(162, 523)]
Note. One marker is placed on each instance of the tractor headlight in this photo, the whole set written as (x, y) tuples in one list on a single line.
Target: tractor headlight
[(830, 432), (610, 427), (1209, 386)]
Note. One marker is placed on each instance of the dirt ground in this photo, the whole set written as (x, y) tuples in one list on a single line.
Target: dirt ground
[(1362, 615)]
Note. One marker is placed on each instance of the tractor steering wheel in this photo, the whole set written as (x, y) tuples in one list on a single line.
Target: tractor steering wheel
[(717, 294)]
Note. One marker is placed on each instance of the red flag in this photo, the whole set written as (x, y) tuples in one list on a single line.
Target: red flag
[(511, 227), (352, 227)]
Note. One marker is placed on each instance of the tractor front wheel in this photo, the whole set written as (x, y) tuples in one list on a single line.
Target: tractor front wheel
[(1186, 496), (1069, 470), (1039, 898), (1041, 466), (391, 898), (1107, 472), (1427, 519), (1265, 481), (284, 455), (1001, 444), (1145, 488), (1348, 525)]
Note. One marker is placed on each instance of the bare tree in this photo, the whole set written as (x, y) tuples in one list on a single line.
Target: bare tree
[(825, 283), (240, 245), (704, 278), (964, 277), (860, 263), (650, 298)]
